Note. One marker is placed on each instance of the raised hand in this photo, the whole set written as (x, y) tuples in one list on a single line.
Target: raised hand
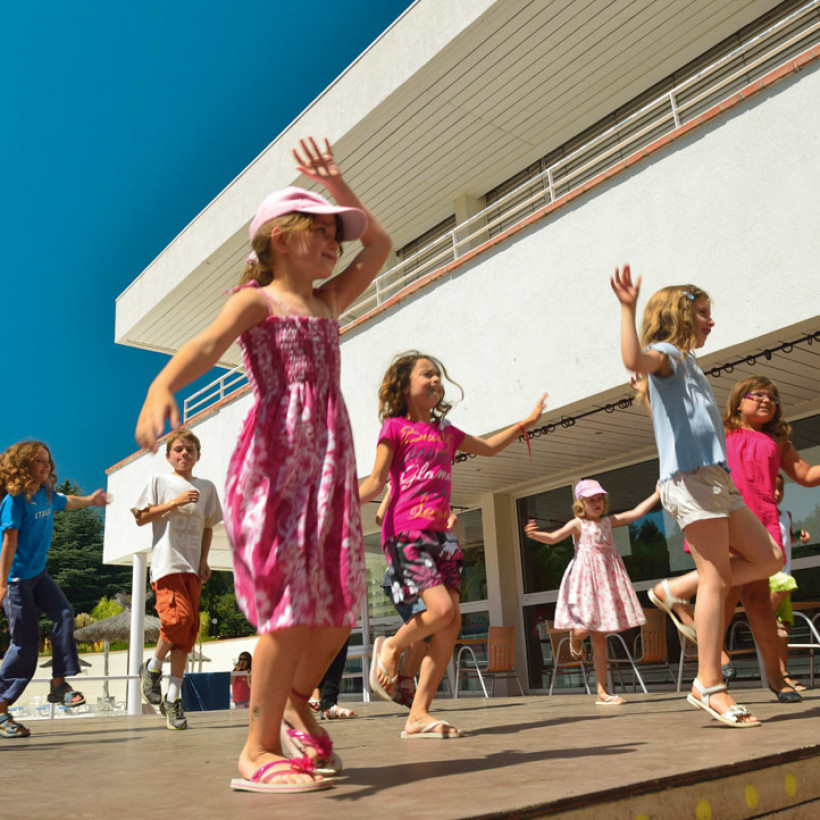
[(159, 405), (316, 164), (624, 288), (537, 411)]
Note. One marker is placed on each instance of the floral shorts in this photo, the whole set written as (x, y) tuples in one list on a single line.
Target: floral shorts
[(432, 559)]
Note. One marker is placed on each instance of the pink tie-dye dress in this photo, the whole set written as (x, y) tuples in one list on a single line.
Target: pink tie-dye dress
[(291, 499)]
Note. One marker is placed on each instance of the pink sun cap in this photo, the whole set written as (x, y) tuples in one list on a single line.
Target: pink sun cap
[(293, 199), (589, 487)]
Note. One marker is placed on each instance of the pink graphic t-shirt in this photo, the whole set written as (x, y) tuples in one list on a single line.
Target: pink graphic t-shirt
[(420, 476)]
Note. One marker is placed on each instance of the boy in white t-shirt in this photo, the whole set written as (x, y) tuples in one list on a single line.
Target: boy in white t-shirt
[(183, 511)]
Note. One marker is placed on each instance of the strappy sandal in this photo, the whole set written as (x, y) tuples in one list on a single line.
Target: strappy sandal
[(296, 743), (65, 695), (337, 712), (669, 600), (735, 716), (578, 654), (10, 728)]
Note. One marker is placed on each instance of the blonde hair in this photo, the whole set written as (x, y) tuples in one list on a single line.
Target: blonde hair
[(260, 265), (579, 507), (15, 470), (186, 435), (669, 316), (392, 401), (778, 428)]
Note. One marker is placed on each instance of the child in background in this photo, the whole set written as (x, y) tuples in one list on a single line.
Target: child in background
[(783, 584), (596, 596), (415, 450), (183, 511), (241, 684), (695, 486), (291, 500), (758, 443), (27, 479)]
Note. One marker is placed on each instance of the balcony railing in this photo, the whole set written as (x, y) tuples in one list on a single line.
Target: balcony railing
[(682, 104)]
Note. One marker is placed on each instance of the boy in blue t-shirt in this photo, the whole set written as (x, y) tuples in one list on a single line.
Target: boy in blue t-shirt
[(27, 479)]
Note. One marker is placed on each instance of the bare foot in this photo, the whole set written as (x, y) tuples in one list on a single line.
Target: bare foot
[(605, 699), (722, 702), (576, 642), (417, 726), (249, 764), (387, 669)]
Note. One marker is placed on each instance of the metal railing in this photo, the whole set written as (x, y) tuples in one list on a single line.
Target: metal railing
[(656, 119)]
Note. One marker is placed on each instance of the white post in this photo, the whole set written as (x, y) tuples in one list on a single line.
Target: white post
[(137, 637)]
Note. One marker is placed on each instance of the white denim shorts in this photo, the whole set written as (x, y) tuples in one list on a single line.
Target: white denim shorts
[(707, 492)]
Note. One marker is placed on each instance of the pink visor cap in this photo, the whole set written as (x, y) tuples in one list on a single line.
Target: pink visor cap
[(589, 487), (293, 199)]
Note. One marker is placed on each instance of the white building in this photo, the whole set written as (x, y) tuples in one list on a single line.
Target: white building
[(517, 151)]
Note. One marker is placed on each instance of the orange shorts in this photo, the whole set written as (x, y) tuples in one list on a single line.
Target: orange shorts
[(177, 605)]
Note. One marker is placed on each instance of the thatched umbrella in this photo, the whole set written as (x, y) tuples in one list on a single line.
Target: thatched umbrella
[(115, 628)]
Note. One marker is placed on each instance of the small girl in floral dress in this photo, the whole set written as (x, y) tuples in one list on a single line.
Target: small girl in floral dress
[(596, 596)]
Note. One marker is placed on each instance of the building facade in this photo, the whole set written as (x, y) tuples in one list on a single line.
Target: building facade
[(517, 152)]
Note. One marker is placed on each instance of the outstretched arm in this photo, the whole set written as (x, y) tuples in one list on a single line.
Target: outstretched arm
[(195, 358), (798, 469), (371, 486), (342, 290), (495, 443), (634, 358), (646, 506), (97, 499), (570, 528)]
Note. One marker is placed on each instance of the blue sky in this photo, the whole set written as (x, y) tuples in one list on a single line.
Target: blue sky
[(120, 122)]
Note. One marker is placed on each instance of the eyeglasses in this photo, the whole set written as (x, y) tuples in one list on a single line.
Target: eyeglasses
[(761, 397)]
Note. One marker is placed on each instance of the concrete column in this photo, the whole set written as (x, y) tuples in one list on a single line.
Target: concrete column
[(500, 544), (137, 637), (466, 206)]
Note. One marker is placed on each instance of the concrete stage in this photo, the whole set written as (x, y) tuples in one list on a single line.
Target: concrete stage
[(559, 757)]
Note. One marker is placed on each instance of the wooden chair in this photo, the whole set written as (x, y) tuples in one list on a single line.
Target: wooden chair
[(500, 661), (562, 658), (652, 642)]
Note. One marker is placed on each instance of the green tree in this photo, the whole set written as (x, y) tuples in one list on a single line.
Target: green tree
[(75, 557), (224, 616)]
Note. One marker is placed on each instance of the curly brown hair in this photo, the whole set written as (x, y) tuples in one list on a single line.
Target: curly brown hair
[(290, 225), (15, 470), (778, 428), (392, 401)]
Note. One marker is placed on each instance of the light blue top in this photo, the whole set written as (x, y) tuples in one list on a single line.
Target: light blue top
[(688, 427), (34, 522)]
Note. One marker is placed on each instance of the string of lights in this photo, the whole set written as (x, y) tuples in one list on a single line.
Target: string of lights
[(625, 403)]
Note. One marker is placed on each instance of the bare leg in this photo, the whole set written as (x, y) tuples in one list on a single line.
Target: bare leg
[(732, 599), (764, 627), (178, 660), (684, 587), (437, 616), (598, 641), (277, 657), (324, 644), (759, 557), (439, 599)]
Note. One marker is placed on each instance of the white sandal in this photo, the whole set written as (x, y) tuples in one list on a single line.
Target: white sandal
[(733, 716), (687, 630), (338, 712)]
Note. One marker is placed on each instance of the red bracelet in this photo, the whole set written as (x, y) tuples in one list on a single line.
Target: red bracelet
[(526, 437)]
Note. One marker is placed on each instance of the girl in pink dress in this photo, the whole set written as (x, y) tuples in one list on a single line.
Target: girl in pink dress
[(291, 506), (415, 450), (596, 596)]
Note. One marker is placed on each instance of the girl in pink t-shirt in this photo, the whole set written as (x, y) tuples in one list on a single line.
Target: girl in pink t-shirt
[(415, 450)]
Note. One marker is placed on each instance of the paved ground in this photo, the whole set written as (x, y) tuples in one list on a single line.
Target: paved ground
[(524, 757)]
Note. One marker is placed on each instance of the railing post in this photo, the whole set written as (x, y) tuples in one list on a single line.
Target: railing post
[(136, 640), (673, 103)]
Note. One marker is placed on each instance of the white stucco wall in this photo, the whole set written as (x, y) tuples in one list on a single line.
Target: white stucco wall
[(731, 207)]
